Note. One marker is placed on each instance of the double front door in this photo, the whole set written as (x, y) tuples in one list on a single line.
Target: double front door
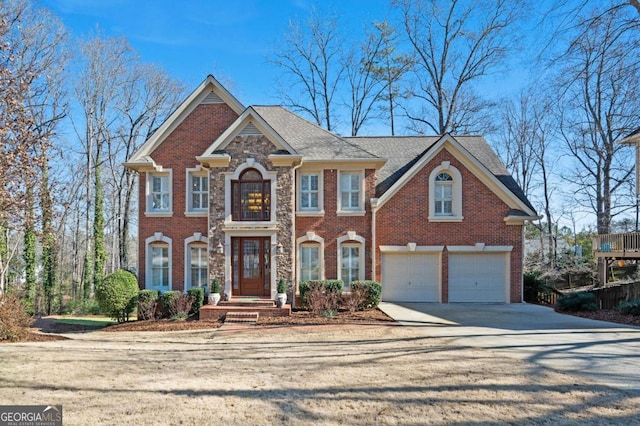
[(251, 264)]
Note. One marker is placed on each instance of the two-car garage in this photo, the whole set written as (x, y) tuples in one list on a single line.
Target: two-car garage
[(475, 274)]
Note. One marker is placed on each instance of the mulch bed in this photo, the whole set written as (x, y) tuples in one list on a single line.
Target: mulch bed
[(46, 329), (610, 315)]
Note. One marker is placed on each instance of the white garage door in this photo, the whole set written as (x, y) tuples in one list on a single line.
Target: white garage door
[(410, 277), (475, 277)]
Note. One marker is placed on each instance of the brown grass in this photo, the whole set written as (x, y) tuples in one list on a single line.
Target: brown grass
[(294, 374)]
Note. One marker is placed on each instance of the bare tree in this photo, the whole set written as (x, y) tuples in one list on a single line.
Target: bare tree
[(147, 96), (391, 65), (312, 67), (366, 87), (601, 100), (32, 61), (455, 44)]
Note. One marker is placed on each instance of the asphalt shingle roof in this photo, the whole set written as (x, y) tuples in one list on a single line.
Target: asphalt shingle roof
[(309, 139), (404, 151)]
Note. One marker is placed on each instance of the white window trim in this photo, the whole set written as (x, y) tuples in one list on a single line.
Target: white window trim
[(352, 238), (188, 210), (156, 238), (360, 211), (198, 239), (310, 212), (266, 175), (149, 211), (310, 237), (456, 205)]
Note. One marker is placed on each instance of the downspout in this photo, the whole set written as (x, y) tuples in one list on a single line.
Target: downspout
[(294, 267), (374, 209)]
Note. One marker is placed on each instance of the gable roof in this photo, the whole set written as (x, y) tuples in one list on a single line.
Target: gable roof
[(291, 135), (309, 139), (209, 91), (406, 155)]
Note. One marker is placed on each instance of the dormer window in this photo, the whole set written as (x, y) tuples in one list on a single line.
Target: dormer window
[(251, 197)]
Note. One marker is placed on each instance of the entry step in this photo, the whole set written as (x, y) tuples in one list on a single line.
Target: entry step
[(242, 317)]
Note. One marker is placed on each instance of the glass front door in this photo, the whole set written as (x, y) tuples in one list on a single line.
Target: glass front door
[(251, 266)]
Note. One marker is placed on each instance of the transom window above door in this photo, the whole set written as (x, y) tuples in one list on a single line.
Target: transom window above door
[(251, 197)]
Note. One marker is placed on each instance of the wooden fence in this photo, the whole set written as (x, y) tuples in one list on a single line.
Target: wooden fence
[(610, 297)]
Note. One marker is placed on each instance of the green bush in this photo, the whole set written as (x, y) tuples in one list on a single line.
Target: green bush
[(197, 295), (81, 307), (168, 300), (282, 286), (372, 292), (117, 295), (631, 307), (577, 301), (147, 303), (215, 285)]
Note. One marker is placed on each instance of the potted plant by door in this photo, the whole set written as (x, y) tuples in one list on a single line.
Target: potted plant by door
[(281, 299), (215, 292)]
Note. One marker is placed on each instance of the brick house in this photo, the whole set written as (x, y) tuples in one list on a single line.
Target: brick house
[(251, 195)]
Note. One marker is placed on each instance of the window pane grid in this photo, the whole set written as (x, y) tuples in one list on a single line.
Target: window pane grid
[(199, 192), (443, 196), (309, 262), (309, 191), (160, 266), (160, 192), (350, 191)]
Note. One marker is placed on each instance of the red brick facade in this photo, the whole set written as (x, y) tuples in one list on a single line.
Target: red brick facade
[(178, 152), (483, 221), (400, 219)]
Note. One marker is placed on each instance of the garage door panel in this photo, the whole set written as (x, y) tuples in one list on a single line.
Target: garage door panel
[(477, 277), (410, 277)]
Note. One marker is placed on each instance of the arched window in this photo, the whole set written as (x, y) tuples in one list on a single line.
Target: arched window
[(443, 196), (251, 197)]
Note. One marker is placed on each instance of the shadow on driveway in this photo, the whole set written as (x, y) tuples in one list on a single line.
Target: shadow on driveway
[(605, 352)]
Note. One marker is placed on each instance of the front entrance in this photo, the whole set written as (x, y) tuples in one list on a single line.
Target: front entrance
[(251, 264)]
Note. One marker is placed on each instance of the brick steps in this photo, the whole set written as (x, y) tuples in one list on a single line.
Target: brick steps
[(239, 308), (241, 317)]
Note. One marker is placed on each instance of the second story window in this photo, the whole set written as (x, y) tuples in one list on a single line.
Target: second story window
[(199, 192), (159, 193), (444, 195), (309, 191), (251, 197), (350, 187)]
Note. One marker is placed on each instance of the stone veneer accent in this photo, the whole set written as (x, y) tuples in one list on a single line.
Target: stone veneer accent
[(241, 149)]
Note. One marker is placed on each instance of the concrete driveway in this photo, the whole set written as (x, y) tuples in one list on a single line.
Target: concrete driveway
[(605, 352)]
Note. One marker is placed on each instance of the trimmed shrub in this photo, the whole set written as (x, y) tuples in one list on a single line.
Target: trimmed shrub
[(577, 301), (371, 291), (197, 295), (14, 320), (631, 307), (117, 295), (282, 286), (321, 296), (167, 300), (147, 304)]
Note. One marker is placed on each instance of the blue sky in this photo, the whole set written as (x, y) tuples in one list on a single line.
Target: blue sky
[(193, 38)]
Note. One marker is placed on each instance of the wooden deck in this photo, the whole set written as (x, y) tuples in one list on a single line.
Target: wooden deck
[(620, 246)]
